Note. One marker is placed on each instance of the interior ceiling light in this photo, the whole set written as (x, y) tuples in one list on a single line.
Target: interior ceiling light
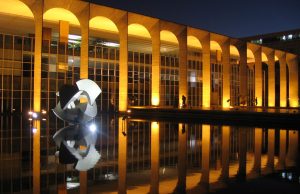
[(110, 44), (74, 37)]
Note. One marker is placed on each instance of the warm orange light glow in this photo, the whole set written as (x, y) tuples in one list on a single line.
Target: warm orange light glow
[(226, 103), (138, 30), (250, 56), (62, 67), (283, 103), (154, 127), (234, 51), (206, 91), (56, 14), (192, 41), (168, 37), (294, 103), (214, 46), (103, 24), (15, 7), (155, 99), (154, 183), (264, 57)]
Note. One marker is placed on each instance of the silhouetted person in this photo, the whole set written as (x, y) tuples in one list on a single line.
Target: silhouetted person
[(255, 101), (183, 98)]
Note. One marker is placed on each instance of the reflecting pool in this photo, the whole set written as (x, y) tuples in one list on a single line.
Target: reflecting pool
[(148, 156)]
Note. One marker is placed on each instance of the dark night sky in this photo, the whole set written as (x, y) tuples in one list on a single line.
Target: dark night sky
[(235, 18)]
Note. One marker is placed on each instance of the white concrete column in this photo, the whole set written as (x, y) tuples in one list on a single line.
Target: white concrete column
[(84, 63), (183, 86), (293, 80), (226, 73), (123, 61), (84, 46), (283, 89), (206, 77), (258, 77), (155, 84), (271, 79), (37, 9)]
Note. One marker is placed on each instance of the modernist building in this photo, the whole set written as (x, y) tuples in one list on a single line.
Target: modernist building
[(288, 41), (136, 60)]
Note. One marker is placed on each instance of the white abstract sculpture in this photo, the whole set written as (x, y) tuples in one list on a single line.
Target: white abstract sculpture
[(78, 107)]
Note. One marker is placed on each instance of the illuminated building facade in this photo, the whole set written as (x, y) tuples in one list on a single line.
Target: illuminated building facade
[(147, 62), (136, 60)]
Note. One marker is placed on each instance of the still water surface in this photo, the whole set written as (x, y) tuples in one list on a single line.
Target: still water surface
[(142, 156)]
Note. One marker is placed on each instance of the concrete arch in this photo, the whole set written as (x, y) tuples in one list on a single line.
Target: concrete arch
[(148, 23), (192, 41), (103, 23), (268, 55), (138, 30), (177, 34), (79, 9), (250, 56), (16, 7), (202, 37), (57, 14), (264, 57), (215, 46), (234, 51), (180, 32), (168, 36), (22, 13), (114, 15)]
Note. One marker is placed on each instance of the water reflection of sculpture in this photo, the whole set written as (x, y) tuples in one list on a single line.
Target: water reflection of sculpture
[(78, 107)]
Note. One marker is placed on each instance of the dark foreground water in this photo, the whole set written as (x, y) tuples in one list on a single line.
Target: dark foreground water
[(164, 157)]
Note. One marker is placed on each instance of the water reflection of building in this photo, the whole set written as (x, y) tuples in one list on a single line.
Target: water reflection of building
[(161, 151), (136, 60)]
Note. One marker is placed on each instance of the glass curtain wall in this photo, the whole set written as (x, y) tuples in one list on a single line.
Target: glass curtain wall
[(104, 70), (195, 83), (169, 81), (16, 98), (16, 73), (216, 84), (194, 139), (235, 84), (216, 69), (168, 144), (139, 71)]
